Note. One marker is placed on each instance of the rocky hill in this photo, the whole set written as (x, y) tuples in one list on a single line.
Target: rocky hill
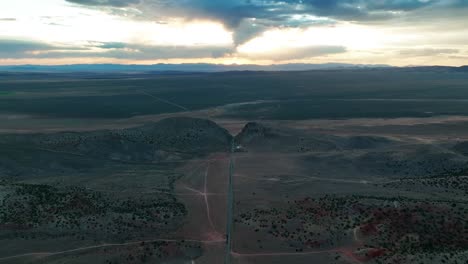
[(260, 137), (167, 139), (253, 131)]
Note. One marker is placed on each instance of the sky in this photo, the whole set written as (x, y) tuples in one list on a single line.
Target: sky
[(392, 32)]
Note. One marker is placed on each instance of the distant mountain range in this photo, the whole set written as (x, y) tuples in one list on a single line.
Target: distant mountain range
[(194, 67), (205, 67)]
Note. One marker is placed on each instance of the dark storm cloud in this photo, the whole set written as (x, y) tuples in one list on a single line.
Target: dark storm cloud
[(365, 5), (247, 30), (232, 12), (398, 4), (237, 14)]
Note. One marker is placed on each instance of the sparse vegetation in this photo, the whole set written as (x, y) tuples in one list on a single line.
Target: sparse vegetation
[(386, 226), (31, 209), (141, 187)]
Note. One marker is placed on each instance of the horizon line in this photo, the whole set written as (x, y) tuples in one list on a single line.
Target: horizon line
[(236, 64)]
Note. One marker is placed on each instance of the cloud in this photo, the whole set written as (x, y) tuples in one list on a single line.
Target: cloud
[(111, 45), (294, 53), (399, 5), (19, 48), (425, 52), (11, 49), (249, 18), (116, 3), (232, 12), (145, 52), (166, 29), (247, 30), (16, 49)]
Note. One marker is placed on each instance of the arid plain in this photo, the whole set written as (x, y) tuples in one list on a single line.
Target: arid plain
[(237, 167)]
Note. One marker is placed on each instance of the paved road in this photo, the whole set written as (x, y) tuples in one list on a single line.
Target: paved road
[(230, 207)]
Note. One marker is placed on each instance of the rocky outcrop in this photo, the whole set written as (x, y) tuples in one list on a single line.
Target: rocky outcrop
[(252, 131)]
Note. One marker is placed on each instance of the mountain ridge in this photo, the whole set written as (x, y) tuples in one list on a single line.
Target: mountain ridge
[(187, 67)]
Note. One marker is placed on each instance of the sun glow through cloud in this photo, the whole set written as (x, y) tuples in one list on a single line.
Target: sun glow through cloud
[(82, 26), (351, 36)]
